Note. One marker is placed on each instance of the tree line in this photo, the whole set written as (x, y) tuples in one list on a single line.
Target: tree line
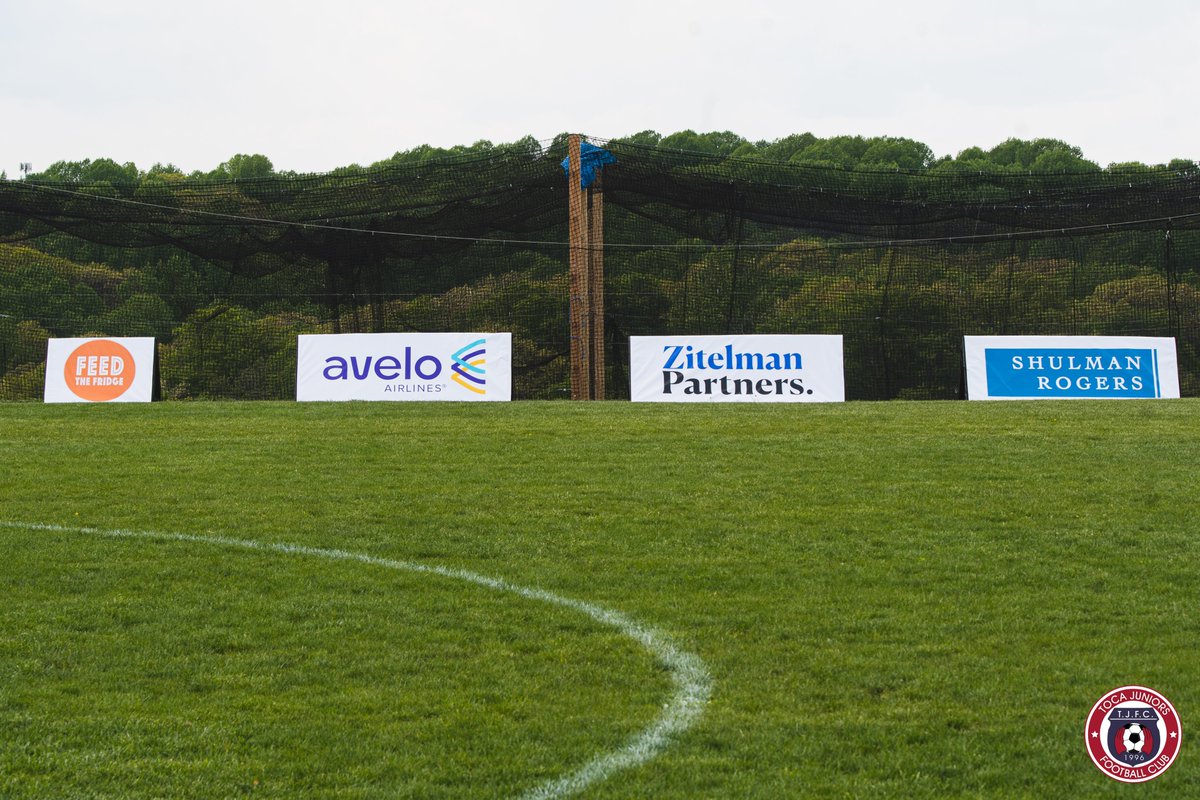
[(872, 237)]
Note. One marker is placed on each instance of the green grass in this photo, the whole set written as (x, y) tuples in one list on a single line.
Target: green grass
[(894, 600)]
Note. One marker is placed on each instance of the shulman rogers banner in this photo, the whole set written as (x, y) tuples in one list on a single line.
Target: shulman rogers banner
[(404, 366), (1055, 367), (117, 370), (737, 369)]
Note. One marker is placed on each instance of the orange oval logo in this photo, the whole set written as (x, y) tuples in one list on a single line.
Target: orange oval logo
[(99, 370)]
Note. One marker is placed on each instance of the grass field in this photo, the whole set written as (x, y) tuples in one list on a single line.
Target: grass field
[(890, 600)]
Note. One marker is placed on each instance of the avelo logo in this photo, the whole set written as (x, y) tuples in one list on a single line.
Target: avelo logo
[(385, 367), (468, 367), (1133, 734), (99, 370), (404, 366)]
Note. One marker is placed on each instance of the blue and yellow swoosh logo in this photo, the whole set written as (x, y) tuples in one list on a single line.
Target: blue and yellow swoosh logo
[(468, 367)]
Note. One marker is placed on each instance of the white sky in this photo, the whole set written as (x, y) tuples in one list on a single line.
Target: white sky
[(317, 85)]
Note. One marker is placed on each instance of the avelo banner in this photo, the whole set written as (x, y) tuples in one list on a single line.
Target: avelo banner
[(736, 369), (1055, 367), (118, 370), (404, 366)]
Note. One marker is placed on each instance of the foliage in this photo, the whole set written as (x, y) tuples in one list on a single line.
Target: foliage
[(229, 351), (876, 238), (22, 359)]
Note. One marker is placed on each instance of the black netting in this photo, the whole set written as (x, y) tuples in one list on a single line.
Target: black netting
[(903, 263)]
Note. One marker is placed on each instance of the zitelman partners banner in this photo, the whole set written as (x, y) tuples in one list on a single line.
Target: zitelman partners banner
[(738, 369), (1054, 367), (404, 366), (100, 370)]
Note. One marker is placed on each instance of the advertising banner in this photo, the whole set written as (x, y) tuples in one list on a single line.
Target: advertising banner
[(119, 370), (736, 369), (1056, 367), (404, 366)]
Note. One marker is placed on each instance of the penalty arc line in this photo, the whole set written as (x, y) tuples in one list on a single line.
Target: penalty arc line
[(693, 685)]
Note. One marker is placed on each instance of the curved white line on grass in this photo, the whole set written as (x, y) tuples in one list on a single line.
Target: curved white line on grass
[(693, 685)]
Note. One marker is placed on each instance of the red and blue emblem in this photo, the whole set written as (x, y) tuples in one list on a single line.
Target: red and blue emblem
[(1133, 734)]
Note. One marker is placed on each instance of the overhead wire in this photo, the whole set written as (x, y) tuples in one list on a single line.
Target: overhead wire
[(889, 242)]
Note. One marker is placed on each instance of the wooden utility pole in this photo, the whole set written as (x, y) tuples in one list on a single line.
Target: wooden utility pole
[(586, 270)]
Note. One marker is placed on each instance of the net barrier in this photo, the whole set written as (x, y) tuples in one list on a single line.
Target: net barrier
[(225, 271)]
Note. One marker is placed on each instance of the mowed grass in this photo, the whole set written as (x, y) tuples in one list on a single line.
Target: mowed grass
[(894, 600)]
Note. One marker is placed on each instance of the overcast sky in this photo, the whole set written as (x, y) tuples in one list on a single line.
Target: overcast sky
[(317, 85)]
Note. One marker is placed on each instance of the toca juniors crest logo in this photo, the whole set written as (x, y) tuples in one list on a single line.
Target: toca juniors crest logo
[(1133, 734)]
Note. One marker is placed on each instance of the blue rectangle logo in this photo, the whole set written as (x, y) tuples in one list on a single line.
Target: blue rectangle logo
[(1037, 372)]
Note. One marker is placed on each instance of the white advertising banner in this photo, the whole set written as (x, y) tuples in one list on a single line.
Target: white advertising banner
[(736, 369), (1079, 367), (119, 370), (404, 366)]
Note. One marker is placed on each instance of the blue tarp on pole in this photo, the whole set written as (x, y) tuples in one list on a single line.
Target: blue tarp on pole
[(591, 159)]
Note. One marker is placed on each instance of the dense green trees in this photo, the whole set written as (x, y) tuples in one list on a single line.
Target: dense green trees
[(847, 152), (876, 238), (881, 152)]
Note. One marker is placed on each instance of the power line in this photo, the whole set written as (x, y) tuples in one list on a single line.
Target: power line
[(832, 244)]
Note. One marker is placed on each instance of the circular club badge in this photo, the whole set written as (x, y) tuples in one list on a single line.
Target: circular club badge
[(1133, 734)]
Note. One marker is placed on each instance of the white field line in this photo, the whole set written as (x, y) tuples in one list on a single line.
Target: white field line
[(693, 684)]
